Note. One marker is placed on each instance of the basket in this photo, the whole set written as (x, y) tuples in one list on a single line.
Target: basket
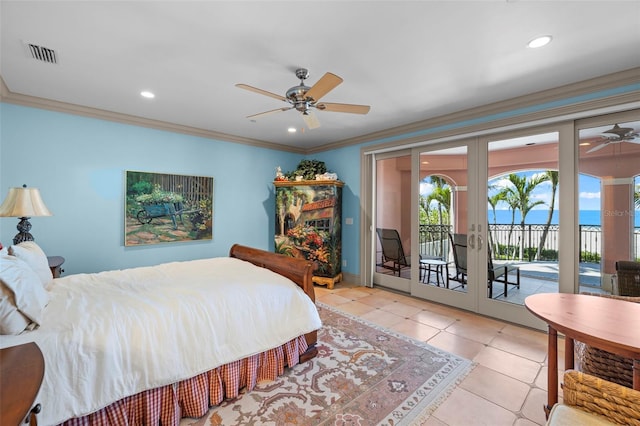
[(616, 403), (605, 365), (628, 278)]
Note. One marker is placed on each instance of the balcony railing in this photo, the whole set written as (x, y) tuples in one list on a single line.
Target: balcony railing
[(434, 240), (506, 241)]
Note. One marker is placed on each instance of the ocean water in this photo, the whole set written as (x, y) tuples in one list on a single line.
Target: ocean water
[(586, 217)]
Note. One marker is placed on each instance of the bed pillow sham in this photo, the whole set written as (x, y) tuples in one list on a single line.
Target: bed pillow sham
[(29, 296), (34, 256), (12, 321)]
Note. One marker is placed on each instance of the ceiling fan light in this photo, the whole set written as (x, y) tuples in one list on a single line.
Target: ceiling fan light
[(539, 41)]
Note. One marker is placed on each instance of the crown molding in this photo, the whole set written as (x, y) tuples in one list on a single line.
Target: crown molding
[(35, 102), (488, 116)]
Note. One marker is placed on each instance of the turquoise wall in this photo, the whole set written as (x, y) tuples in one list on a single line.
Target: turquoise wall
[(79, 164)]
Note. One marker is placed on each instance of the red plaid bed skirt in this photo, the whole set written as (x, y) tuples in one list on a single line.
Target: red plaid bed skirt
[(192, 397)]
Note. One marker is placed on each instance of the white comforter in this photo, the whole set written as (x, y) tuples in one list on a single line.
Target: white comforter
[(113, 334)]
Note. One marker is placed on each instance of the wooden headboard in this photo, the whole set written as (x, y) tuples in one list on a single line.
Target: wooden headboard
[(299, 271)]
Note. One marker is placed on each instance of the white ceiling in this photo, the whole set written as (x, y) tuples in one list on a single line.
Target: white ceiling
[(409, 60)]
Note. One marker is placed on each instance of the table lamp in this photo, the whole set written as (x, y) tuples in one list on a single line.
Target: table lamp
[(23, 203)]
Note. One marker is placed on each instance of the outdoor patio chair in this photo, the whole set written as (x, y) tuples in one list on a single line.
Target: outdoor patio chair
[(495, 273), (393, 256), (459, 250), (600, 363), (627, 278), (500, 274)]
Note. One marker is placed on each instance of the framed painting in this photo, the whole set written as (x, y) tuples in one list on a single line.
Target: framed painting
[(165, 208)]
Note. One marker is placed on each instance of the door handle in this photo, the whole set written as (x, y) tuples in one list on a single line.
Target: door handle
[(472, 241), (479, 242)]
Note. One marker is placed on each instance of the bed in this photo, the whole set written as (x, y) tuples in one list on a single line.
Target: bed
[(151, 345)]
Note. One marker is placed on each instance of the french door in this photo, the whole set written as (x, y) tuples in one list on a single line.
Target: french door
[(523, 240), (392, 221), (439, 199), (442, 182)]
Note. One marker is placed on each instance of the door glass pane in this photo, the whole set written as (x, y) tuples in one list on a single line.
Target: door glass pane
[(393, 222), (522, 203), (443, 215), (609, 203)]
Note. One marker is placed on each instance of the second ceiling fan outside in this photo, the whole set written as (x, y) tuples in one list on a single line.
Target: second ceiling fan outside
[(617, 134), (304, 98)]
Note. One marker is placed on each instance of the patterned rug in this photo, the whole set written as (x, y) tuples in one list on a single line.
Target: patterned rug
[(363, 375)]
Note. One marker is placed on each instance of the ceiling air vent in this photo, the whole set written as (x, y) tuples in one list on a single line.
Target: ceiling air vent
[(42, 53)]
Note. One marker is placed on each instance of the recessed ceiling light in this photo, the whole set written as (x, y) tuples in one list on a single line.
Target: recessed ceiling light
[(291, 130), (539, 41), (147, 94), (585, 144)]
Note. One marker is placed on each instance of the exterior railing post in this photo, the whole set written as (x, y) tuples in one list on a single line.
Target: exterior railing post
[(580, 243)]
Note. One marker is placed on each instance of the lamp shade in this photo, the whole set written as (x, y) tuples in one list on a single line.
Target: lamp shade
[(23, 202)]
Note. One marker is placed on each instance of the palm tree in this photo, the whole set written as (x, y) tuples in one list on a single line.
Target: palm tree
[(424, 210), (493, 201), (553, 178), (512, 201), (520, 191), (441, 194)]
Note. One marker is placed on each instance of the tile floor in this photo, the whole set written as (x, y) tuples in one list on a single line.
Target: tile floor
[(509, 384)]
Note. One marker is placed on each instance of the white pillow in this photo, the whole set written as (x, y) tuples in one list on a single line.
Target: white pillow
[(29, 295), (32, 254), (12, 321)]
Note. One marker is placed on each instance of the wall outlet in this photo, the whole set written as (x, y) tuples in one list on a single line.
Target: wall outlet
[(344, 263)]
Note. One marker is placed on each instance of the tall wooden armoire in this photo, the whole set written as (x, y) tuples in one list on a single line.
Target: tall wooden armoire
[(308, 225)]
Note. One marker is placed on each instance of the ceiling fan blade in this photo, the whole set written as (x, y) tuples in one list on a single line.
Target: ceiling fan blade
[(311, 120), (596, 148), (350, 108), (260, 114), (262, 92), (620, 132), (327, 83)]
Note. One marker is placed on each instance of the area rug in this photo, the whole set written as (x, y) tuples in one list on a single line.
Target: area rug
[(363, 375)]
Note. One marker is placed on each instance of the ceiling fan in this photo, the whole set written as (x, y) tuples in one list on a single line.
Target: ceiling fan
[(304, 98), (617, 134)]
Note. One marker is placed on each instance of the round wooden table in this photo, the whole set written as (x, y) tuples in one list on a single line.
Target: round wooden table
[(605, 323), (22, 371)]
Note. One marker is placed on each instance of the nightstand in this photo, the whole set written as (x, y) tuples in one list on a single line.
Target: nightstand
[(55, 263)]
